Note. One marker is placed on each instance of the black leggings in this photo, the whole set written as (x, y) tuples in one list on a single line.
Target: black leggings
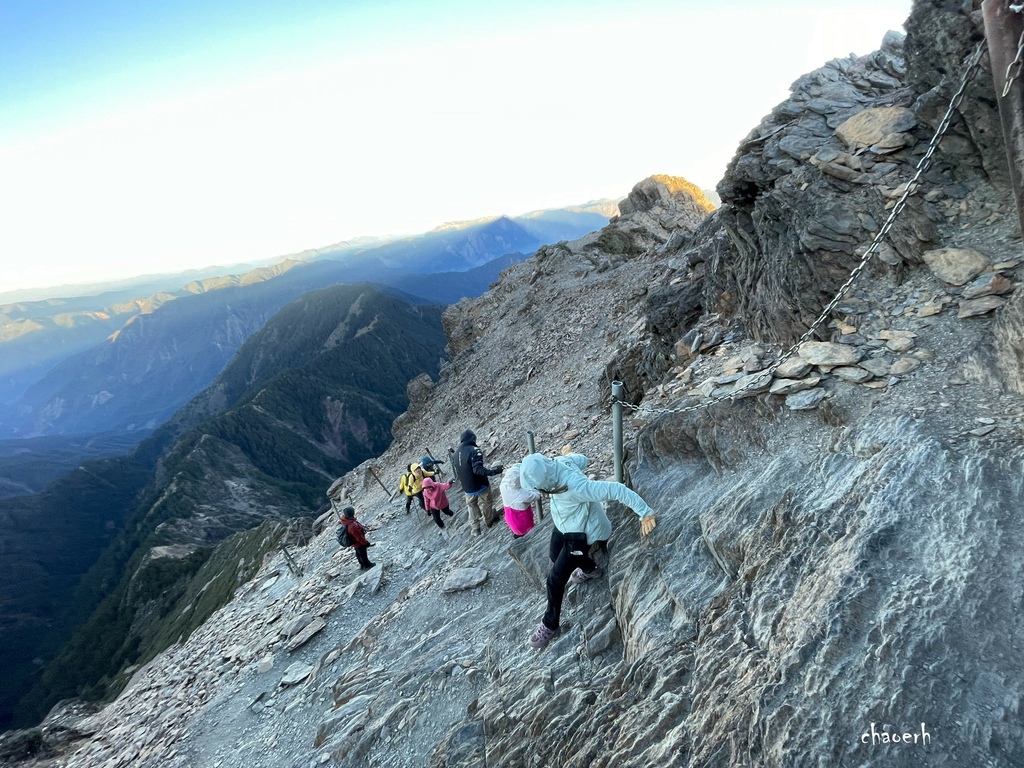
[(361, 556), (436, 513), (562, 566)]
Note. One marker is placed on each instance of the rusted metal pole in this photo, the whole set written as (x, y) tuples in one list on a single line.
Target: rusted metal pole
[(531, 447), (617, 394), (1004, 32), (380, 482)]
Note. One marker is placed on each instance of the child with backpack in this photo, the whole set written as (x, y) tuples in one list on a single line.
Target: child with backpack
[(436, 499), (416, 477), (352, 533), (406, 485)]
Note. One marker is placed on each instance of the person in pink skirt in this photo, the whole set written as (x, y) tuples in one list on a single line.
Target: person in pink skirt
[(518, 502), (436, 500)]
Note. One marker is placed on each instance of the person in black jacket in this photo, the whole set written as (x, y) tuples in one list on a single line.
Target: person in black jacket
[(472, 474)]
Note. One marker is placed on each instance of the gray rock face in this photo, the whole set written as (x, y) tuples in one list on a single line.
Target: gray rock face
[(464, 578), (826, 353), (296, 673), (956, 266), (802, 401), (875, 126)]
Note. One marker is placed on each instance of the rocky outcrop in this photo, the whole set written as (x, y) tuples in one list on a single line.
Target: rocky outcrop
[(811, 185), (836, 553)]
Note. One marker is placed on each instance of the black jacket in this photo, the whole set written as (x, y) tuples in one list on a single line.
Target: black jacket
[(469, 465)]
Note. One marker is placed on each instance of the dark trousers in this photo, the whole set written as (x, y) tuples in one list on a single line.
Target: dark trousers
[(418, 497), (562, 566), (436, 513), (364, 561)]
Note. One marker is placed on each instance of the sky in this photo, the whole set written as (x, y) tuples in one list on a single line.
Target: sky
[(151, 137)]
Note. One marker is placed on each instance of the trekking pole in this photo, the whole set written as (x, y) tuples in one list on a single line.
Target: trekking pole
[(435, 462)]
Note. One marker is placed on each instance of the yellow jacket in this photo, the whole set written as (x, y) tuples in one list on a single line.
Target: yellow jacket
[(412, 481), (415, 481)]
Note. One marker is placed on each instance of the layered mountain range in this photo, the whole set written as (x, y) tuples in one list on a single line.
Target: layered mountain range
[(118, 363), (834, 577)]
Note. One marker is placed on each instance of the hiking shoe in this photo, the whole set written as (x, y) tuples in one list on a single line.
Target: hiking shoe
[(579, 575), (541, 636)]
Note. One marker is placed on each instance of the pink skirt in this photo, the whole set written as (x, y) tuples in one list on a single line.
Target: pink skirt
[(519, 520)]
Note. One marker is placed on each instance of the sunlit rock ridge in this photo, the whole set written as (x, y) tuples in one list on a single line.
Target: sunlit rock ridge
[(835, 578)]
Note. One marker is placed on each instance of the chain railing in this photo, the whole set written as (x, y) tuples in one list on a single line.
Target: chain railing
[(759, 377), (1014, 67)]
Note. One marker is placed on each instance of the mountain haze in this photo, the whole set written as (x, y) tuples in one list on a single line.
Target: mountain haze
[(77, 366)]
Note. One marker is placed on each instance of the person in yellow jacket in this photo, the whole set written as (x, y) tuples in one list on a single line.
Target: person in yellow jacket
[(411, 485)]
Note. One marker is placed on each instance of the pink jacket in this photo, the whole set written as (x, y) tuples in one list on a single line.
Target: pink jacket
[(434, 494)]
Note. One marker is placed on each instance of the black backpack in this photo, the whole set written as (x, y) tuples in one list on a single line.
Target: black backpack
[(343, 537)]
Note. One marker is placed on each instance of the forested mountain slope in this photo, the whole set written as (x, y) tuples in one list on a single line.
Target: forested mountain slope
[(306, 398)]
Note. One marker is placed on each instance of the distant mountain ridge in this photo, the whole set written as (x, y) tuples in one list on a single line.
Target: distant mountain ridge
[(131, 363)]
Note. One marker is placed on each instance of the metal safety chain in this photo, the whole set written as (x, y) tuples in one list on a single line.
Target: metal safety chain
[(923, 165), (1014, 67)]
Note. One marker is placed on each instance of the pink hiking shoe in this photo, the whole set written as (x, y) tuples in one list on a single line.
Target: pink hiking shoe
[(541, 636), (579, 575)]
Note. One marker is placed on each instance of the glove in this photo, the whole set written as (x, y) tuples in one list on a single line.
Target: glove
[(498, 469), (647, 525)]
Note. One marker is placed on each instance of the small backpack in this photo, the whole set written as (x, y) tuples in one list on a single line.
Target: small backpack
[(344, 539)]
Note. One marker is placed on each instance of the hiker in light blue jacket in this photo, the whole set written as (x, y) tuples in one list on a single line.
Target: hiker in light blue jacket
[(580, 522)]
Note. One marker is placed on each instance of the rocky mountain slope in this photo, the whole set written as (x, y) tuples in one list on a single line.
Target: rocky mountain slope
[(309, 396), (834, 576)]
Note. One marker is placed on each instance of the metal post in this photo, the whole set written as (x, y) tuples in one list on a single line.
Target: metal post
[(531, 447), (617, 393), (381, 484), (1004, 32)]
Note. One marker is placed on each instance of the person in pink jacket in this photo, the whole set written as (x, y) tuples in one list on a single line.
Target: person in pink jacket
[(436, 500)]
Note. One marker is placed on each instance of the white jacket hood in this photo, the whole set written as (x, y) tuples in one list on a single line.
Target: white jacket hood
[(576, 501), (540, 473)]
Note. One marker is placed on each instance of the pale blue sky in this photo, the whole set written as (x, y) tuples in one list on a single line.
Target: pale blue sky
[(141, 137)]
